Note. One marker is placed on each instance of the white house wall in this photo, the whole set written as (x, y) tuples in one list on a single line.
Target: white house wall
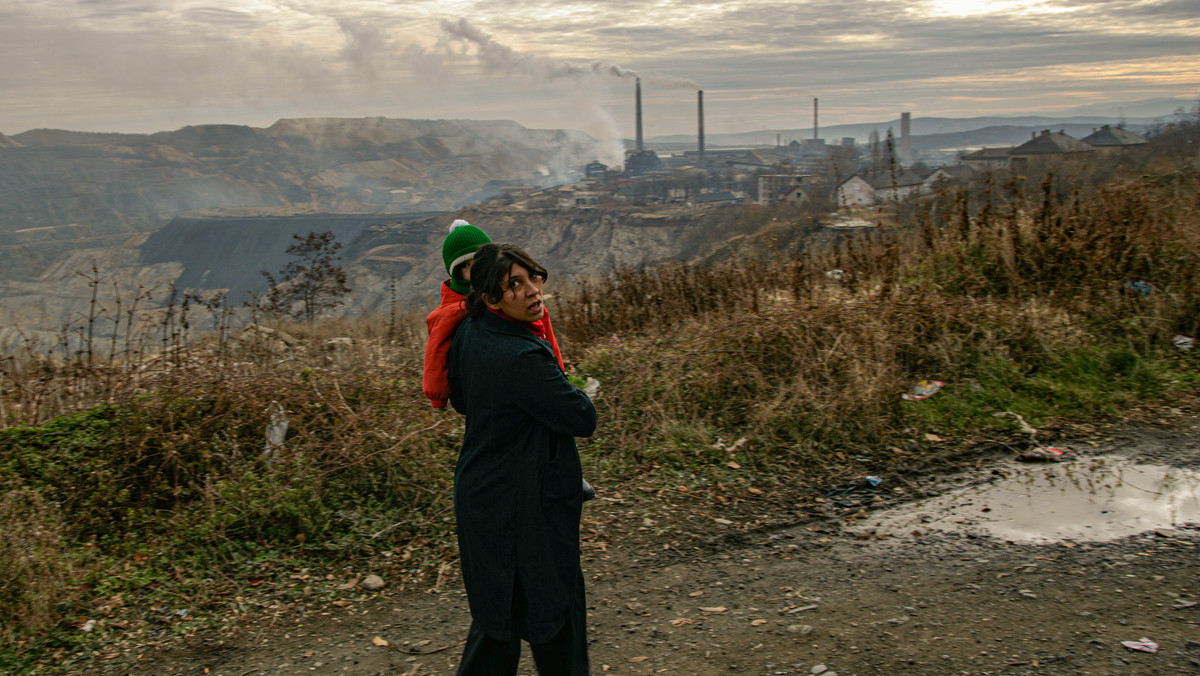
[(856, 192)]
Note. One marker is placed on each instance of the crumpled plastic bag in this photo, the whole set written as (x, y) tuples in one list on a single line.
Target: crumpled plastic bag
[(1143, 644), (1045, 454), (1140, 287), (923, 389), (276, 433)]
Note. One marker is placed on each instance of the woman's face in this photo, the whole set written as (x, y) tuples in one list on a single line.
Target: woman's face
[(522, 299)]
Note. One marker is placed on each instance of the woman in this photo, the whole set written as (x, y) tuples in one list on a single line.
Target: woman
[(518, 483)]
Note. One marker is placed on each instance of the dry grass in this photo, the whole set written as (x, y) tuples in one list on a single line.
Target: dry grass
[(165, 459), (995, 288), (1043, 294), (36, 564)]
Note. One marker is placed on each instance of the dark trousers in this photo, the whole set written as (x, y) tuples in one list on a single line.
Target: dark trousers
[(563, 655)]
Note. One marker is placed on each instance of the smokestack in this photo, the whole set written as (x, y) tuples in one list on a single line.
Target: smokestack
[(815, 118), (639, 113), (700, 116), (905, 138)]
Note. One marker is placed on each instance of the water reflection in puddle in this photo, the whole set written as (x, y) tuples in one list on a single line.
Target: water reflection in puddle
[(1092, 499)]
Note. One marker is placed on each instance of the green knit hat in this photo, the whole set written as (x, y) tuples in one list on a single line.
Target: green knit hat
[(460, 246)]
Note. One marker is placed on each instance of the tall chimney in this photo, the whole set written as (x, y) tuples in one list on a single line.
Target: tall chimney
[(700, 116), (906, 138), (639, 113), (815, 118)]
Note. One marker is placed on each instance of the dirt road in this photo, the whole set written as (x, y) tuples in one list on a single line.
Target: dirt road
[(674, 591)]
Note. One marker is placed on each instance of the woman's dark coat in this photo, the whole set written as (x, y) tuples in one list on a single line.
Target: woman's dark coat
[(518, 484)]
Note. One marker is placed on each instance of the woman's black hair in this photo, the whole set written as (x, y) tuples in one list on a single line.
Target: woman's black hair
[(493, 262)]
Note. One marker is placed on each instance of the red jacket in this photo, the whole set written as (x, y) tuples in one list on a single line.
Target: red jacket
[(442, 323)]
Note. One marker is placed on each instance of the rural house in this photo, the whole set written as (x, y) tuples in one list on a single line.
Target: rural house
[(869, 189), (1113, 138), (987, 159), (1047, 146), (943, 176)]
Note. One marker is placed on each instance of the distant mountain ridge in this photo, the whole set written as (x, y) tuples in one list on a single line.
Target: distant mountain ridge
[(920, 126), (123, 183), (1153, 108), (1136, 115)]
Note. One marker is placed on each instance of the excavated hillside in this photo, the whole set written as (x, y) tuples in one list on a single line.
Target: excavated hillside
[(74, 187), (139, 212), (227, 253), (384, 256)]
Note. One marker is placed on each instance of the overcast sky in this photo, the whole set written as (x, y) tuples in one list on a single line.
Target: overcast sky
[(155, 65)]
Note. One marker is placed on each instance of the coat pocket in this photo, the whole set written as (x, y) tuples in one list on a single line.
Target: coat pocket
[(562, 477)]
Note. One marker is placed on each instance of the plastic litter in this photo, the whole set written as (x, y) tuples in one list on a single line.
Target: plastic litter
[(1184, 343), (874, 480), (276, 432), (1143, 644), (853, 494), (923, 390), (1024, 426), (1140, 287), (1045, 454), (720, 445)]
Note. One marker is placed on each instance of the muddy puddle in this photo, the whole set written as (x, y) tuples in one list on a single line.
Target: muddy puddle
[(1091, 499)]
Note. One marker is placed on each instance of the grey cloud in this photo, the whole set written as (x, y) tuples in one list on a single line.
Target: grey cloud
[(120, 7), (922, 42), (1184, 9), (156, 53), (366, 46), (804, 47), (221, 16), (909, 40), (498, 57), (1188, 9), (637, 33), (157, 67)]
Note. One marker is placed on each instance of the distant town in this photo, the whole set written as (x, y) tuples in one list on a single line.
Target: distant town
[(806, 171)]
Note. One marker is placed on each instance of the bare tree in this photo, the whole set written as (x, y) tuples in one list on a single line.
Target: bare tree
[(312, 283)]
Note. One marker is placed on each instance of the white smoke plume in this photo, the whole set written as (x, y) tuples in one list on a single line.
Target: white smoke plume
[(364, 45), (497, 57)]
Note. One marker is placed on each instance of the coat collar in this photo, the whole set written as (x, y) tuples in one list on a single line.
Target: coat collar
[(449, 294), (502, 325)]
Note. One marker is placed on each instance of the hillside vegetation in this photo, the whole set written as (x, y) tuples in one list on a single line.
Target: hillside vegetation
[(145, 497)]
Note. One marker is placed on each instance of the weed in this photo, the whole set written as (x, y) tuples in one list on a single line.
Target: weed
[(130, 475)]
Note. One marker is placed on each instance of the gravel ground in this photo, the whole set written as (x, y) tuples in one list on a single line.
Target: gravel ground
[(671, 592)]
